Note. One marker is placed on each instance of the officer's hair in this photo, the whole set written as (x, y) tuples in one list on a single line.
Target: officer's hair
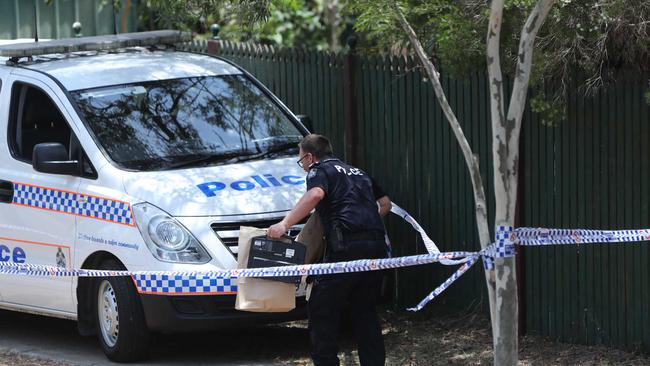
[(317, 145)]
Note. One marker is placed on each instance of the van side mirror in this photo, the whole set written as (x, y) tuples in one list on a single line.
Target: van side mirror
[(52, 157), (306, 121)]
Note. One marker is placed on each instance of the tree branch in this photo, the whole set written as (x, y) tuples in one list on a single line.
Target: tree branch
[(499, 134), (518, 104), (470, 160)]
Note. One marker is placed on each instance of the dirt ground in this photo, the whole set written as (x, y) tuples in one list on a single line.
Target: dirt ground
[(421, 339), (426, 338), (9, 358)]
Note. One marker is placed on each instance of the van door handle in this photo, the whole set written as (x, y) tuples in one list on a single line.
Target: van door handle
[(6, 192)]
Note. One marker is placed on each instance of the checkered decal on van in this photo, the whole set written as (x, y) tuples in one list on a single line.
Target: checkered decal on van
[(165, 284), (73, 203)]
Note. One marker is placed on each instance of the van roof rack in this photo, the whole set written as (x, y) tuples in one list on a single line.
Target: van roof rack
[(95, 43)]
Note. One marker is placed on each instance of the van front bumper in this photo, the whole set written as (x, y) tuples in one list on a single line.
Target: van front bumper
[(206, 312)]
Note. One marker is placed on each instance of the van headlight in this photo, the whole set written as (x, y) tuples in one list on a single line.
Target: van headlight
[(166, 238)]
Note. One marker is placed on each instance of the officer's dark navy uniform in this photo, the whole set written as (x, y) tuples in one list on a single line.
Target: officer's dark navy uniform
[(354, 230)]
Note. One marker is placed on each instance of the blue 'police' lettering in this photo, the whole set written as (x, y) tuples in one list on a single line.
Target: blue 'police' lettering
[(263, 181), (293, 179), (272, 180), (211, 187), (260, 181), (17, 255), (3, 257), (242, 185)]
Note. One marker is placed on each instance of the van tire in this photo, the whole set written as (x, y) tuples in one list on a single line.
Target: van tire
[(121, 329)]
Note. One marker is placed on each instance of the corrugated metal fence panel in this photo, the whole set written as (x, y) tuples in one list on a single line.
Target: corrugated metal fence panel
[(411, 150), (55, 20), (589, 172)]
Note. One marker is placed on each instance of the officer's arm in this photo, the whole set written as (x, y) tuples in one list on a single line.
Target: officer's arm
[(305, 205), (384, 205)]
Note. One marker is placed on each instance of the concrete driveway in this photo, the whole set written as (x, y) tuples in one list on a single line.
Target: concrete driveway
[(58, 340)]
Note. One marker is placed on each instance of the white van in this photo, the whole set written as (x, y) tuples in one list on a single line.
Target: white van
[(120, 154)]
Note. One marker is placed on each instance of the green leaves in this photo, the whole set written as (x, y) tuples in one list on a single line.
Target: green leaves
[(552, 111), (287, 23), (279, 22), (376, 20), (450, 34), (178, 14)]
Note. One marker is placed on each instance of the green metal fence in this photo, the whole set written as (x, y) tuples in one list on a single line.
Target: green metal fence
[(408, 146), (588, 172), (591, 172), (55, 20)]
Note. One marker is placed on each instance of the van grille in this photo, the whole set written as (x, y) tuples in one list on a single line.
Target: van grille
[(228, 232)]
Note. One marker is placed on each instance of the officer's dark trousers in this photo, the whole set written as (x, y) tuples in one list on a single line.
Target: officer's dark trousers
[(331, 293)]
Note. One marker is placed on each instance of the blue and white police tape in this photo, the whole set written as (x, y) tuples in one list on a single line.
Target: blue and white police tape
[(362, 265), (504, 246), (541, 236), (443, 286), (507, 237), (428, 243), (145, 279)]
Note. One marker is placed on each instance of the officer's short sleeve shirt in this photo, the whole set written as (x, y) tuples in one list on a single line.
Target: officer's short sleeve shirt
[(350, 196), (317, 178)]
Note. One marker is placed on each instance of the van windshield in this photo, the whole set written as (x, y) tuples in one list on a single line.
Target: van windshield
[(180, 123)]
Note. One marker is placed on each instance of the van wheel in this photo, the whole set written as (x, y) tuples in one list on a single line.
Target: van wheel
[(121, 327)]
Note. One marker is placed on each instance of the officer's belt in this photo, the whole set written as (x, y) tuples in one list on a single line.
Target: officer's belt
[(363, 235)]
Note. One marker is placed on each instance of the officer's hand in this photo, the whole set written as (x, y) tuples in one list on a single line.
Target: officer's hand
[(276, 231)]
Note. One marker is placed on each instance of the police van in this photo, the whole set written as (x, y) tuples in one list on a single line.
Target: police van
[(122, 153)]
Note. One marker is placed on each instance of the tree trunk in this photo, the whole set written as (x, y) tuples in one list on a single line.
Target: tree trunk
[(505, 151), (470, 159), (505, 154)]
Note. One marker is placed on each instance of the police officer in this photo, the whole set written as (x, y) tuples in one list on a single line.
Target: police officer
[(350, 205)]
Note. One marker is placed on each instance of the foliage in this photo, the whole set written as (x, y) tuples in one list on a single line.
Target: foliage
[(289, 23), (550, 110), (278, 22), (449, 36), (585, 43), (178, 14)]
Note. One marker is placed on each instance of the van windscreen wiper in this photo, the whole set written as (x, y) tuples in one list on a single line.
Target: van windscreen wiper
[(272, 150), (264, 148), (274, 145), (209, 159)]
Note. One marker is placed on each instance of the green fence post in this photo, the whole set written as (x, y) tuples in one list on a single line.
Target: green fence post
[(213, 44)]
